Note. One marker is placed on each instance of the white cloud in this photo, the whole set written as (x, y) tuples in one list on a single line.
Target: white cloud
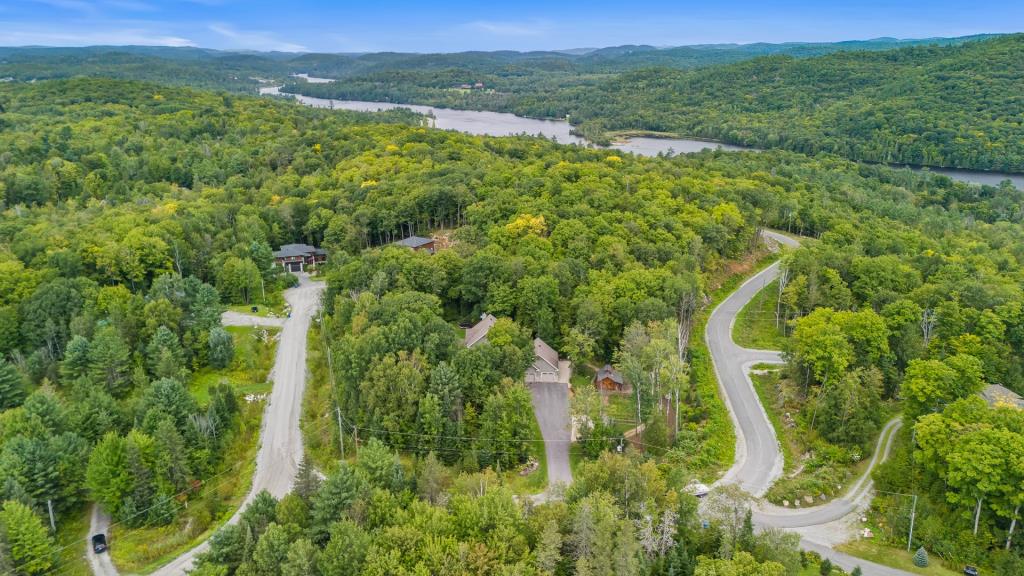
[(12, 35), (511, 29), (131, 5), (253, 39), (73, 5)]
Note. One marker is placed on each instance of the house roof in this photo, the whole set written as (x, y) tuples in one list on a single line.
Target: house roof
[(292, 250), (479, 330), (610, 373), (414, 241), (543, 352), (995, 394)]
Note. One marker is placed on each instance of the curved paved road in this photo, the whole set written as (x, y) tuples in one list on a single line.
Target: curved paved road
[(758, 460), (277, 460)]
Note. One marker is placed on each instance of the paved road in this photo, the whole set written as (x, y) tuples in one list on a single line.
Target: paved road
[(280, 450), (758, 460), (551, 406)]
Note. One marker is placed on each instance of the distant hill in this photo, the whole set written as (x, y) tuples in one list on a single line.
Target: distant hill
[(942, 105), (937, 101)]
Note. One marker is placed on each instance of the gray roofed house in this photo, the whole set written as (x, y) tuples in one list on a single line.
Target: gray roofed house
[(417, 243), (478, 332), (995, 395), (547, 367), (296, 257)]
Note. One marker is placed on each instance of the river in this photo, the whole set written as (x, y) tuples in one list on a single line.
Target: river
[(503, 124)]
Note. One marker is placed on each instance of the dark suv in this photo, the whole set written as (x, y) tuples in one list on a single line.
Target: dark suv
[(970, 571), (99, 543)]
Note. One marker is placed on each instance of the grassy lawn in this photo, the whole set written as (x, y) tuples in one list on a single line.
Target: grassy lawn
[(72, 530), (274, 305), (755, 325), (765, 384), (142, 550), (254, 356), (895, 557)]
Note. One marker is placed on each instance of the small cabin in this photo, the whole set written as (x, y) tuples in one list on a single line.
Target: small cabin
[(609, 379), (417, 243)]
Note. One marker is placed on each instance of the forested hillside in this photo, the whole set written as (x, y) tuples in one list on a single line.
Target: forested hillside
[(954, 105), (941, 106), (134, 213)]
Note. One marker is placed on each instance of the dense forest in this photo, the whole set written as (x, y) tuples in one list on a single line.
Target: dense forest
[(135, 212), (956, 105)]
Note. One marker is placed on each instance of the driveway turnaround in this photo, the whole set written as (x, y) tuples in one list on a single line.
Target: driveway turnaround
[(758, 460), (277, 461)]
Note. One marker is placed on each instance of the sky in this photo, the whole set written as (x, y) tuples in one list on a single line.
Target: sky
[(451, 26)]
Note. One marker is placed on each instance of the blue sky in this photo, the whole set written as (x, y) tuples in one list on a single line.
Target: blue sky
[(446, 26)]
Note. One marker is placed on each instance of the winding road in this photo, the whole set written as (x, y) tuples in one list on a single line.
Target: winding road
[(277, 460), (758, 461)]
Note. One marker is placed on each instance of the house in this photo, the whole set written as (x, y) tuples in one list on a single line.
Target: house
[(417, 243), (297, 257), (997, 395), (478, 85), (547, 366), (609, 379), (478, 332)]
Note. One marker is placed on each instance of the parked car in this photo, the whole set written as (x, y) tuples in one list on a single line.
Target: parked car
[(970, 571), (99, 543)]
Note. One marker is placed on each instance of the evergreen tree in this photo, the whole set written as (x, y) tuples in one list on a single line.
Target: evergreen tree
[(30, 546), (76, 359), (260, 513), (745, 541), (222, 348), (549, 548), (656, 434), (164, 355), (307, 482), (12, 387), (109, 360), (921, 558), (331, 503), (825, 568)]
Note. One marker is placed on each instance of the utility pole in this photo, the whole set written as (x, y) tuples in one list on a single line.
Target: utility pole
[(341, 431), (53, 524), (913, 514)]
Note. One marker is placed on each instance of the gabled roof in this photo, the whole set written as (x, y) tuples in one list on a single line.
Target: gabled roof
[(995, 394), (292, 250), (479, 330), (544, 353), (414, 241), (610, 373)]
